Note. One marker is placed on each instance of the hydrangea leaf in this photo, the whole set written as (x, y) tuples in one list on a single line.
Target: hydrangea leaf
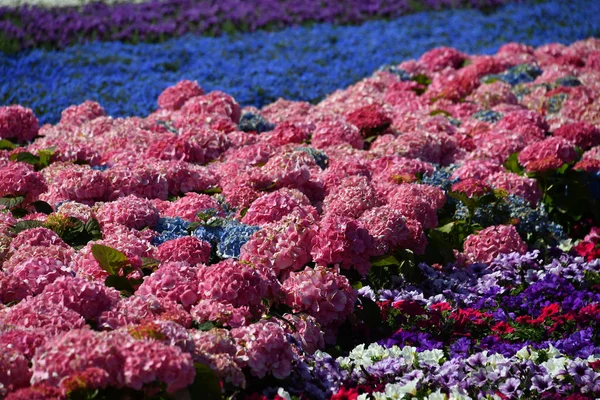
[(111, 260)]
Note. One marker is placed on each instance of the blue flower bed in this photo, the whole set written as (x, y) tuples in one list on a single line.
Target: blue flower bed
[(296, 63)]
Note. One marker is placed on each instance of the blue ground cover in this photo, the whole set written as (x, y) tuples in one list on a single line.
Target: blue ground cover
[(303, 63)]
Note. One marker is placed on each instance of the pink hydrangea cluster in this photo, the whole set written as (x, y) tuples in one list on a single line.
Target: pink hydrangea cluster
[(518, 185), (18, 123), (334, 132), (77, 183), (131, 211), (222, 313), (419, 202), (488, 243), (137, 179), (187, 249), (320, 292), (20, 179), (263, 348), (271, 207), (77, 115), (387, 226), (174, 281), (307, 331), (282, 246), (351, 198), (174, 97), (128, 362), (14, 371), (547, 154), (471, 187), (140, 309), (343, 241), (237, 283), (582, 134), (188, 206), (36, 273)]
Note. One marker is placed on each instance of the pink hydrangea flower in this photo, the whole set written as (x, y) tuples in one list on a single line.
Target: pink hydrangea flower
[(290, 169), (79, 183), (419, 202), (188, 249), (188, 206), (354, 196), (330, 133), (488, 243), (237, 283), (521, 186), (215, 102), (19, 179), (139, 309), (471, 187), (271, 207), (477, 169), (12, 288), (185, 177), (320, 292), (64, 254), (131, 211), (87, 298), (175, 281), (23, 340), (282, 246), (221, 313), (138, 179), (82, 212), (442, 57), (19, 123), (492, 94), (547, 154), (263, 348), (36, 237), (286, 133), (396, 169), (48, 317), (36, 273), (582, 134), (371, 120), (387, 226), (174, 97), (14, 371), (77, 115), (286, 110), (342, 240)]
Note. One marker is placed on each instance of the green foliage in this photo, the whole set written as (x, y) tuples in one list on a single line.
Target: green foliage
[(41, 161), (118, 267), (207, 385)]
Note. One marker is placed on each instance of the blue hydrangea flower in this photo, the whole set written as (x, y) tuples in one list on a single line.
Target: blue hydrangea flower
[(522, 73), (399, 72), (233, 236), (489, 116), (169, 229), (569, 81)]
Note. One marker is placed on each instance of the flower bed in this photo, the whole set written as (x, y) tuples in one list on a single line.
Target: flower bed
[(297, 63), (430, 231), (59, 26)]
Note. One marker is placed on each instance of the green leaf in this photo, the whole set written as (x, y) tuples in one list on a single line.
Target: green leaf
[(7, 145), (120, 283), (25, 157), (111, 260), (214, 190), (73, 230), (368, 311), (42, 207), (11, 201), (422, 79), (92, 228), (206, 326), (244, 212), (45, 156), (207, 385), (448, 227), (563, 168), (384, 260), (148, 262), (440, 112), (24, 225), (512, 164)]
